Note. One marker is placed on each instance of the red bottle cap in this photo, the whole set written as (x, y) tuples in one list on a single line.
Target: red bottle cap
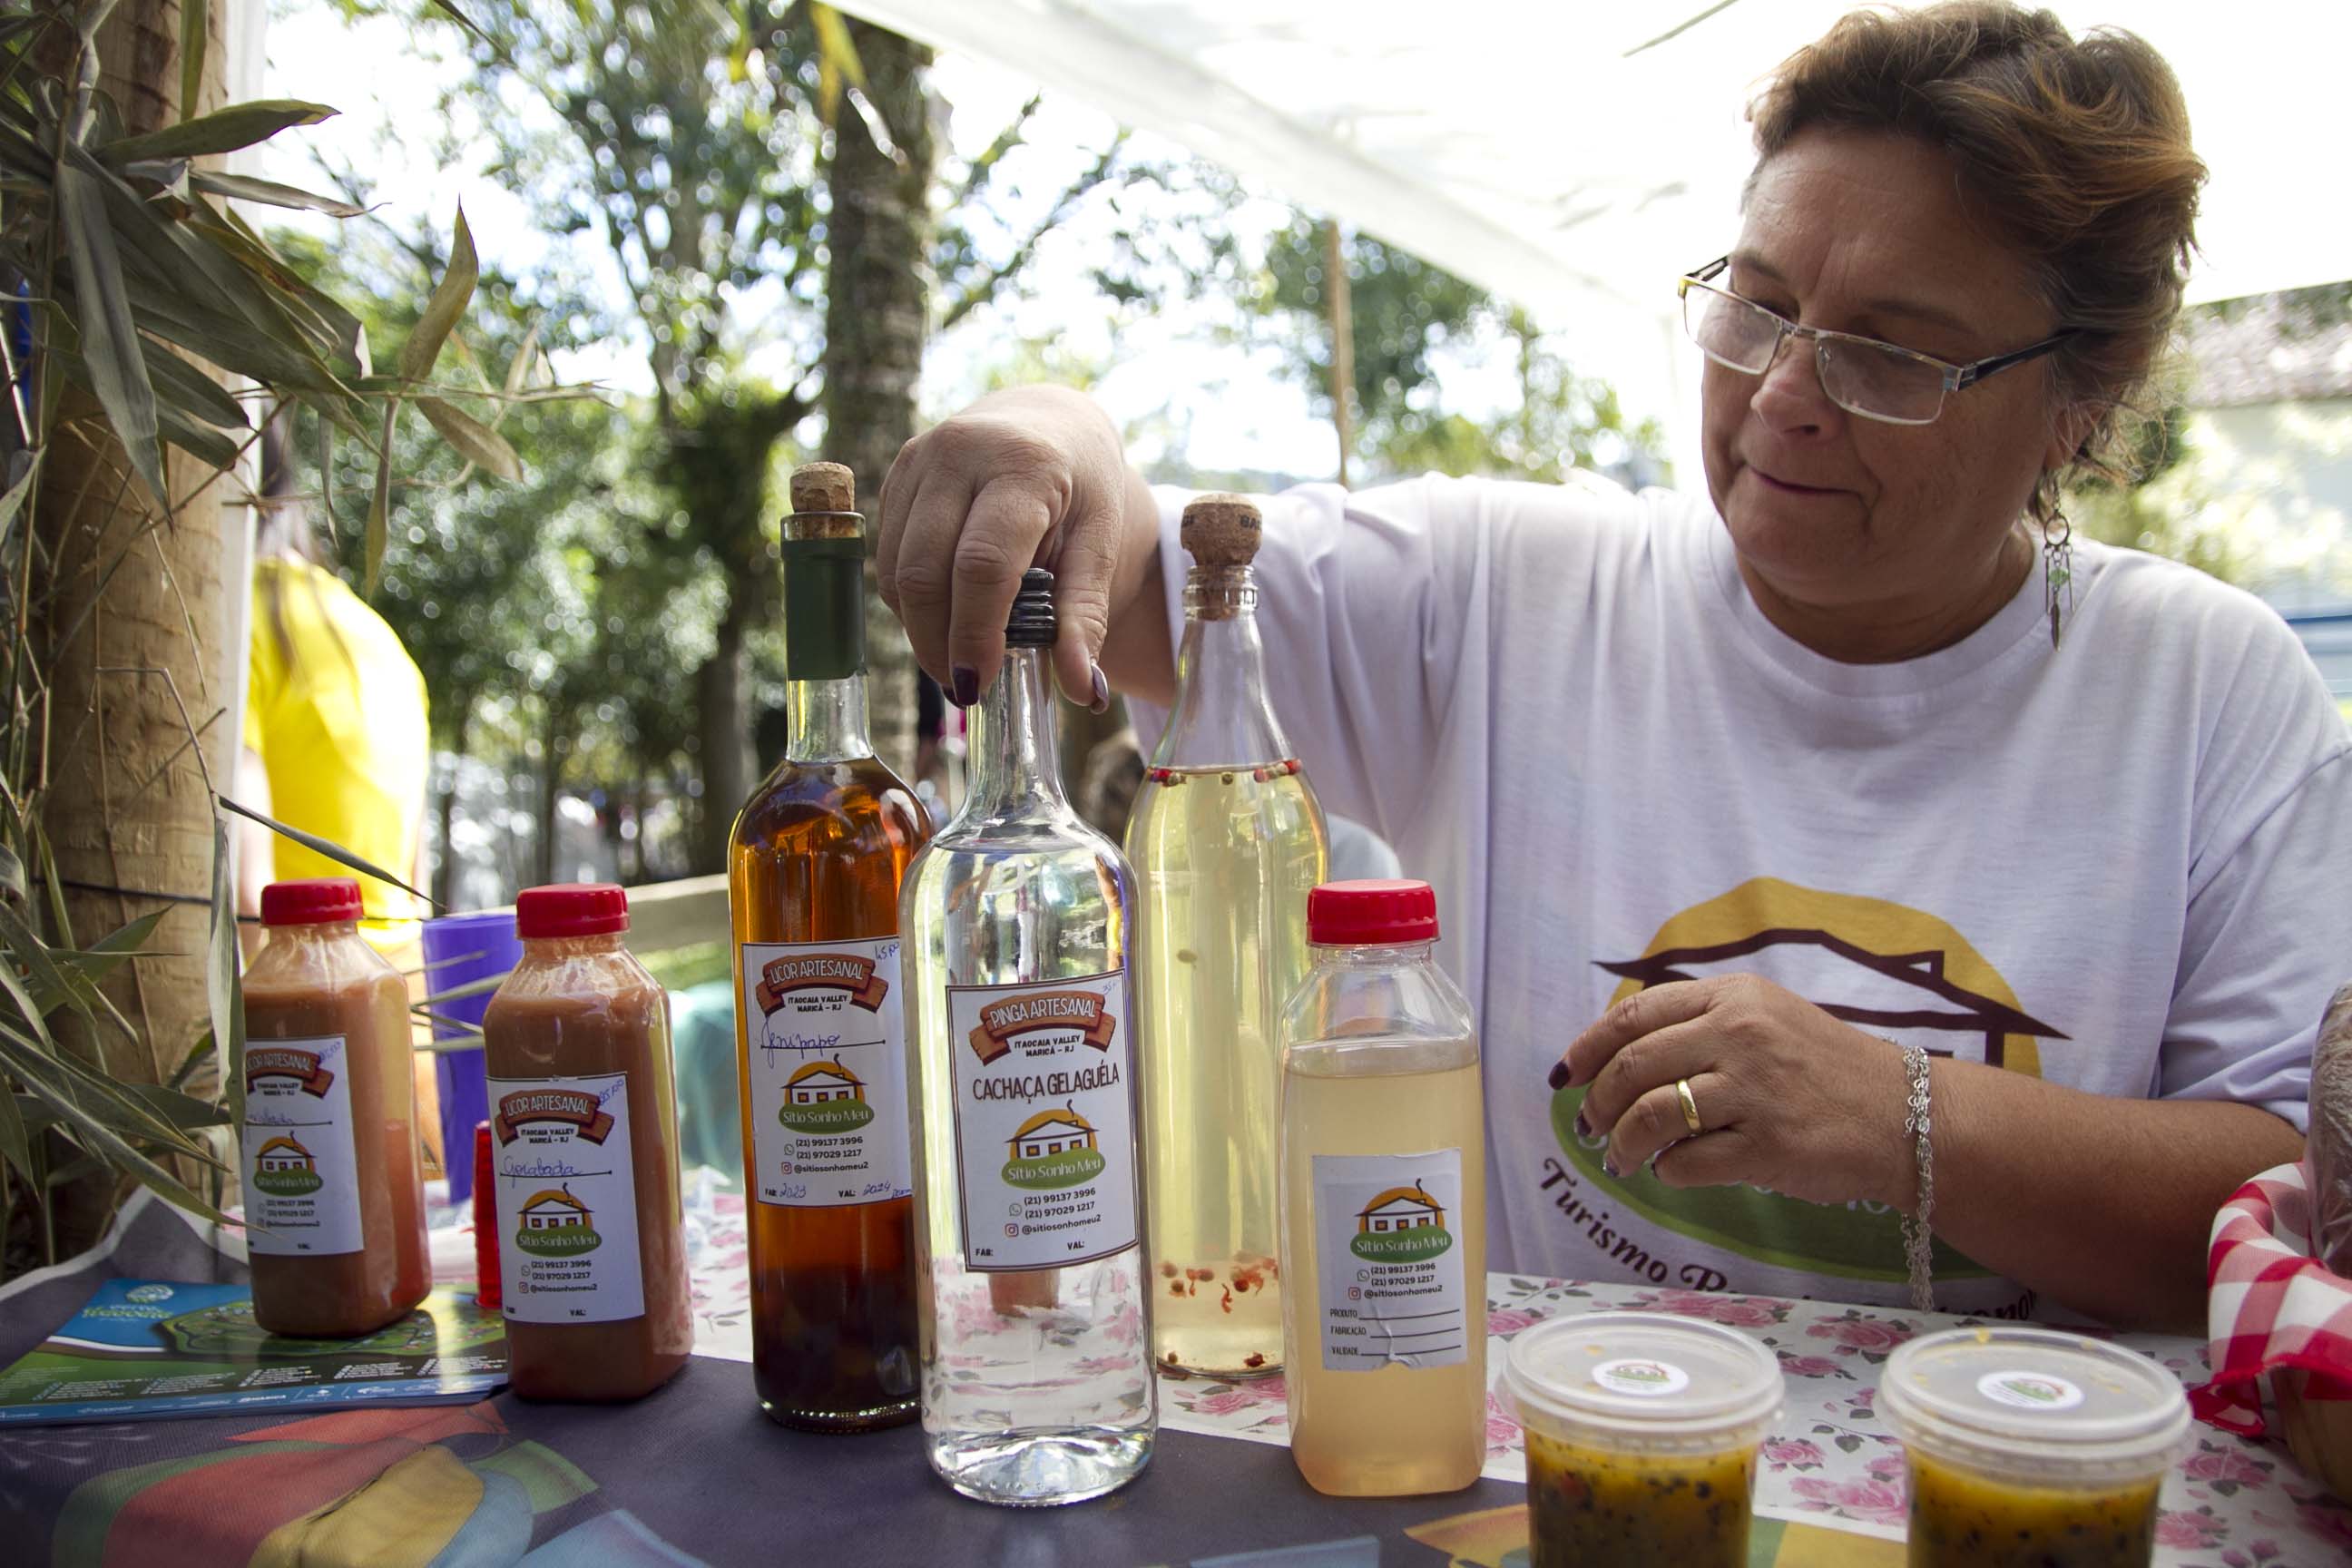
[(571, 909), (317, 901), (1371, 913)]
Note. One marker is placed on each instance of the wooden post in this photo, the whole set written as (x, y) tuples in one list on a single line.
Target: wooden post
[(132, 641)]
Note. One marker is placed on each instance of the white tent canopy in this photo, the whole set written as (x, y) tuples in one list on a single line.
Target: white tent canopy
[(1576, 157), (1546, 149)]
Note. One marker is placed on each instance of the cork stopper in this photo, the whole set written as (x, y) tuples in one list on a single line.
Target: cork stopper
[(824, 487), (819, 488), (1222, 530)]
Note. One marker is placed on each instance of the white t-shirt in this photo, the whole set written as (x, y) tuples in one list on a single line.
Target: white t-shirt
[(2125, 865)]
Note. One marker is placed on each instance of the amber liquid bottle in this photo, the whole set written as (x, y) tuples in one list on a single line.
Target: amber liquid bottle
[(813, 884)]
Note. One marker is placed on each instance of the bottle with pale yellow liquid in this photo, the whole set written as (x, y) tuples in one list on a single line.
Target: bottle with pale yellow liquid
[(1226, 840), (1383, 1162)]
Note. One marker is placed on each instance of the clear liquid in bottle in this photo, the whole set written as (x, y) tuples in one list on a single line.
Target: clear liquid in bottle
[(1036, 1375)]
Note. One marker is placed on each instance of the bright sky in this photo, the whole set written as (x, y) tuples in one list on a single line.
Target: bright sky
[(1165, 376)]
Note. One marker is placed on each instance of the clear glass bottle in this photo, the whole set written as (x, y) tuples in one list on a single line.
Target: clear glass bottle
[(812, 881), (1383, 1165), (1226, 840), (1037, 1356)]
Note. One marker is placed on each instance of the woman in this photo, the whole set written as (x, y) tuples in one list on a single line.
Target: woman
[(1846, 788)]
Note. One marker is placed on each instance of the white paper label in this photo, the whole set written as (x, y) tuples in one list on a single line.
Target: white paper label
[(1388, 1264), (823, 1023), (1044, 1101), (301, 1177), (1641, 1378), (567, 1199), (2029, 1391)]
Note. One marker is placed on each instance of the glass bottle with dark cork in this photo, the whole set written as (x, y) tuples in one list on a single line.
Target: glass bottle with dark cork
[(814, 876)]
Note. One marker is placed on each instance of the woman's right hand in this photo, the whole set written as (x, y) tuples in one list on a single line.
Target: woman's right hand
[(1032, 476)]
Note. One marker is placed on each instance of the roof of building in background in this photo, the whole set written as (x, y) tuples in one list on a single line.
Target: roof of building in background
[(2271, 348)]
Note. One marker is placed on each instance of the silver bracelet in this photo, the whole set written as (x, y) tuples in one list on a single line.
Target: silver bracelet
[(1919, 1251)]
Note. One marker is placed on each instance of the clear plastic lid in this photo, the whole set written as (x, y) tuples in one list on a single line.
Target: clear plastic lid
[(2038, 1401), (1642, 1375)]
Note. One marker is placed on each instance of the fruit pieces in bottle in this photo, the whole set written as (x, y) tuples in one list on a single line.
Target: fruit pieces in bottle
[(1226, 840)]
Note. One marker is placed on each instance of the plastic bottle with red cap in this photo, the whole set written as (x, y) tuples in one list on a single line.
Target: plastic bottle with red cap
[(1384, 1168), (584, 1152), (334, 1199)]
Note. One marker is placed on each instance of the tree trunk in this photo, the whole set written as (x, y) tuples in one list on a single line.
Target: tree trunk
[(445, 869), (125, 803), (875, 320), (554, 746), (726, 744)]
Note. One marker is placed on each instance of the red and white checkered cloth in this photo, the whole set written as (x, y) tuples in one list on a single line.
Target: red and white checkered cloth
[(2271, 1304)]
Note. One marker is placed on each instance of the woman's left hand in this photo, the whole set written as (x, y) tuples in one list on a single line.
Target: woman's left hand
[(1788, 1097)]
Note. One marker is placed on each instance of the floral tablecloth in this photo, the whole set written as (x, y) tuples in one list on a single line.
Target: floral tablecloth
[(2231, 1503)]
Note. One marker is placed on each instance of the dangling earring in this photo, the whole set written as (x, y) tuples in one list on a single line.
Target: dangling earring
[(2057, 572)]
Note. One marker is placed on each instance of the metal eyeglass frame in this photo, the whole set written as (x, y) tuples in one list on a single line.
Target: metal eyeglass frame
[(1956, 376)]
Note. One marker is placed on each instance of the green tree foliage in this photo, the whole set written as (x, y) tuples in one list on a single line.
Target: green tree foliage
[(1408, 315), (702, 147)]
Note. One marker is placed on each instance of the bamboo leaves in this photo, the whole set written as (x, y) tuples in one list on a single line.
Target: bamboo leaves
[(270, 193), (474, 441), (478, 444), (223, 130), (450, 297), (118, 370)]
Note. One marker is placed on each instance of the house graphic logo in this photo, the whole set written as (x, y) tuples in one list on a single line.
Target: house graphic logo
[(555, 1224), (849, 977), (1887, 968), (1400, 1225), (824, 1098), (1053, 1149), (284, 1169)]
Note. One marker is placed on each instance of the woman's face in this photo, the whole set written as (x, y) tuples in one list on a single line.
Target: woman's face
[(1866, 232)]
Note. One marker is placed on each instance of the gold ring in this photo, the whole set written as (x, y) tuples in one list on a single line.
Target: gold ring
[(1690, 1106)]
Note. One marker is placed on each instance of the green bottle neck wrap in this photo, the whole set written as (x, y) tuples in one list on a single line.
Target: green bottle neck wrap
[(824, 608)]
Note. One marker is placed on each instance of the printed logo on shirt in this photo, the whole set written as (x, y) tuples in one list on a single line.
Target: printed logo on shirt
[(1887, 969)]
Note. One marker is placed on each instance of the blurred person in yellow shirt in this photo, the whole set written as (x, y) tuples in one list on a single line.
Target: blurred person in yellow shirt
[(335, 736)]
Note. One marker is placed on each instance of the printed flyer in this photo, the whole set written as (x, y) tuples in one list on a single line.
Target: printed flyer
[(151, 1350)]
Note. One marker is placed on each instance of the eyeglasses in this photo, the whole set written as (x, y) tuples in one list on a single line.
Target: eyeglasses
[(1862, 375)]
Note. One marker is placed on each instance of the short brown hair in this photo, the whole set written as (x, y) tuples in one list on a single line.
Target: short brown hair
[(2077, 149)]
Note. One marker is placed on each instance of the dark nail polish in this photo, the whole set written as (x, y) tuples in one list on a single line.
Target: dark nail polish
[(1102, 689), (1558, 1076), (1609, 1166), (1582, 1129), (964, 685)]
